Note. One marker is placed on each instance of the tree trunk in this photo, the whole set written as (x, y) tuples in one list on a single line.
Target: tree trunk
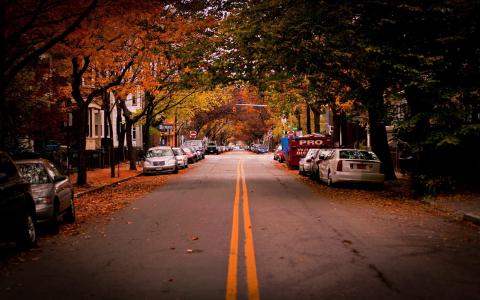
[(109, 134), (81, 134), (316, 120), (129, 123), (378, 133), (309, 125), (131, 150), (298, 115), (120, 135), (148, 121)]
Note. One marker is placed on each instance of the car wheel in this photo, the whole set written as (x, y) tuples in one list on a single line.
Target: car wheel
[(27, 236), (175, 171), (70, 213)]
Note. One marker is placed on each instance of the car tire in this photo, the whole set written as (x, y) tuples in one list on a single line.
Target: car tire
[(27, 236), (175, 171), (70, 213)]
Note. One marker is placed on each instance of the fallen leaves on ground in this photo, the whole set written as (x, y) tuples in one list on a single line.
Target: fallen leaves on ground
[(395, 199), (103, 203)]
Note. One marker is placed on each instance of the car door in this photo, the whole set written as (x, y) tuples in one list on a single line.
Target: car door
[(324, 165), (63, 188), (315, 161)]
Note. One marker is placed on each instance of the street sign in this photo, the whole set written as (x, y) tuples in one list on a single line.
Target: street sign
[(193, 134)]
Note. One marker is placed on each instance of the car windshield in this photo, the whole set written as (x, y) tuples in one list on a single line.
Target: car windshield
[(187, 150), (35, 173), (178, 151), (159, 152), (356, 154)]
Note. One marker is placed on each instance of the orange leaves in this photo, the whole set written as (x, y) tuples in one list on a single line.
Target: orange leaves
[(343, 105)]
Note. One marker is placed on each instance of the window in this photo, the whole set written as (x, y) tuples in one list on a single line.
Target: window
[(98, 124), (34, 173), (134, 101), (134, 133)]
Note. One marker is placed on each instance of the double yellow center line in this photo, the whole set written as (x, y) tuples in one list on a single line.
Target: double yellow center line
[(251, 267)]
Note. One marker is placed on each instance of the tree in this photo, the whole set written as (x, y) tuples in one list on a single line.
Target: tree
[(97, 57), (30, 28)]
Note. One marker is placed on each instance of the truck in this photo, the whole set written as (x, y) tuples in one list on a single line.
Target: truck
[(294, 148)]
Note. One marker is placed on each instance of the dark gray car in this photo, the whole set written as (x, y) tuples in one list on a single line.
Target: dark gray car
[(52, 191)]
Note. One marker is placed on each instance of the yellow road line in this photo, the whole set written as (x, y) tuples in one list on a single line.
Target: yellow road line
[(233, 257), (252, 279)]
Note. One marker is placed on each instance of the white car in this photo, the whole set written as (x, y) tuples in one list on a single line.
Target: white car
[(350, 165), (160, 159), (317, 160), (182, 158), (305, 163)]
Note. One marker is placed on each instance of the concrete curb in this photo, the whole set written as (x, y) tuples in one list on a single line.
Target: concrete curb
[(98, 188), (471, 218)]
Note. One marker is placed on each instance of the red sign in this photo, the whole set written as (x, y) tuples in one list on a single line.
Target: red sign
[(310, 142), (193, 134)]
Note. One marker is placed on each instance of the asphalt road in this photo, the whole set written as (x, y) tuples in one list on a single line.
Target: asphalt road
[(238, 227)]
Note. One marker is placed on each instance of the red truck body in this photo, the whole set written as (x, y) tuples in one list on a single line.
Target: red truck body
[(298, 147)]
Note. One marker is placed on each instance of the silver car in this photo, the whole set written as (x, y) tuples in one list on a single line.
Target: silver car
[(181, 156), (160, 159), (351, 165), (52, 191), (305, 163)]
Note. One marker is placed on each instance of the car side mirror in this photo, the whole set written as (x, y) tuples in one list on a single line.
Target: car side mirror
[(60, 178)]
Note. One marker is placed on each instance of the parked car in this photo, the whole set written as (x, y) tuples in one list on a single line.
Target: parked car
[(351, 165), (182, 158), (199, 151), (191, 156), (261, 149), (52, 191), (17, 207), (278, 154), (212, 148), (198, 155), (317, 160), (305, 163), (197, 145), (160, 159)]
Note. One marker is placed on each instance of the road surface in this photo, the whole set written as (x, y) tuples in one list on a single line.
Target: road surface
[(238, 227)]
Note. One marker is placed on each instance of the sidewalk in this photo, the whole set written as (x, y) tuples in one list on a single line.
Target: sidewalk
[(465, 206), (99, 178)]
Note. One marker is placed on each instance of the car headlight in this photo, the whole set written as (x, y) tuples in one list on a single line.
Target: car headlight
[(171, 161), (43, 200), (147, 163)]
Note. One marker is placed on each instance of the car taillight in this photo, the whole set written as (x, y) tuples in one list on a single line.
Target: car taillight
[(339, 166)]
